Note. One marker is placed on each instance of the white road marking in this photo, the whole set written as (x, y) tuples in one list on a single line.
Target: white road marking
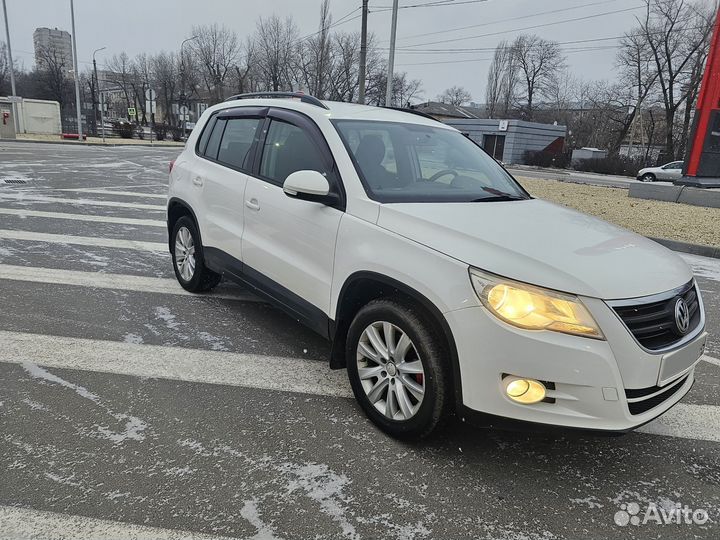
[(28, 524), (191, 365), (710, 360), (84, 202), (687, 421), (82, 217), (110, 192), (83, 240), (111, 281)]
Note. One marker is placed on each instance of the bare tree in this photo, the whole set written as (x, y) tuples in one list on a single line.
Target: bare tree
[(4, 70), (216, 49), (502, 82), (455, 95), (276, 39), (677, 33), (52, 73), (165, 78), (314, 56), (538, 60), (404, 89), (120, 74), (246, 77)]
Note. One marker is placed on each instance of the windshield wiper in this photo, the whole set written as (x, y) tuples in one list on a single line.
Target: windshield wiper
[(503, 197)]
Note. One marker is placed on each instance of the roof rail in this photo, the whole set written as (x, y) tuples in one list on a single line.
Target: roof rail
[(272, 95), (412, 111)]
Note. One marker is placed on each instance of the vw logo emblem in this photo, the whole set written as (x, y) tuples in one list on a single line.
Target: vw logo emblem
[(682, 316)]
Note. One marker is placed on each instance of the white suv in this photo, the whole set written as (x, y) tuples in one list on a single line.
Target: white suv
[(442, 285)]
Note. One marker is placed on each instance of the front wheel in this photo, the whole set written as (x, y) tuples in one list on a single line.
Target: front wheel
[(398, 368), (188, 259), (647, 177)]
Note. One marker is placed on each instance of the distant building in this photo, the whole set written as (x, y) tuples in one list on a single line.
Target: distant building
[(54, 42)]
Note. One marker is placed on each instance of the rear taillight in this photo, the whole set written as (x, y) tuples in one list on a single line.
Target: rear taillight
[(172, 164)]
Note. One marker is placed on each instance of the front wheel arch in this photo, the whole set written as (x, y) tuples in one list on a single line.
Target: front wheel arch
[(361, 288)]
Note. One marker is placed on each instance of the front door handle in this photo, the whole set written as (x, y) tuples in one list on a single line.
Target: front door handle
[(253, 204), (198, 181)]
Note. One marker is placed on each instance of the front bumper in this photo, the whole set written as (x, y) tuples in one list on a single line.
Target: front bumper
[(597, 383)]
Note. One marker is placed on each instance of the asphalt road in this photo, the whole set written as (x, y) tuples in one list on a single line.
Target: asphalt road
[(129, 409)]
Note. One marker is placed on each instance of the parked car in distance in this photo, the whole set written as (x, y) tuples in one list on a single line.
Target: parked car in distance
[(443, 286), (670, 171)]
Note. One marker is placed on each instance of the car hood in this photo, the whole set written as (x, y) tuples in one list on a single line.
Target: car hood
[(542, 243)]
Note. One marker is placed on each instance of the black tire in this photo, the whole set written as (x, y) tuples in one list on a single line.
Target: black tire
[(648, 177), (432, 351), (203, 279)]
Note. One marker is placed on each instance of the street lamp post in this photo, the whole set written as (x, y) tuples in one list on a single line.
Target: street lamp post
[(77, 72), (96, 86), (182, 82), (391, 59)]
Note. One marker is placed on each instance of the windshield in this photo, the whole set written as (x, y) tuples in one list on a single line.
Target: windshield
[(400, 162)]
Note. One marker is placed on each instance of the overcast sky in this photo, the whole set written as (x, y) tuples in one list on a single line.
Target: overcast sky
[(152, 25)]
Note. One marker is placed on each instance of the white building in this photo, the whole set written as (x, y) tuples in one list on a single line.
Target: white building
[(55, 42)]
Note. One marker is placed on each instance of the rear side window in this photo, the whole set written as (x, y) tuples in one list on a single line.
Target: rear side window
[(237, 140), (214, 142), (202, 143), (288, 149)]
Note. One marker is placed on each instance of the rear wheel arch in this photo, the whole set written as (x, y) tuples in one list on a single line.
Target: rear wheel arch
[(361, 288), (176, 209)]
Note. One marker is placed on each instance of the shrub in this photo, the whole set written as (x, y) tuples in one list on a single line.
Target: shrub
[(542, 158), (123, 128), (160, 131), (140, 132), (617, 165), (177, 133)]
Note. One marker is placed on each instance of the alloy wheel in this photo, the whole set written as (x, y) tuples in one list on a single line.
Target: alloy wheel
[(185, 253), (390, 370)]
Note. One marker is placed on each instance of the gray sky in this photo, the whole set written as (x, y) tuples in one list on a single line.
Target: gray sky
[(149, 26)]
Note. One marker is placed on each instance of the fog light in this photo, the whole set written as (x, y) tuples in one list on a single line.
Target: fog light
[(525, 391)]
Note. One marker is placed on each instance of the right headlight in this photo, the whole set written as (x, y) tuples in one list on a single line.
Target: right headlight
[(533, 308)]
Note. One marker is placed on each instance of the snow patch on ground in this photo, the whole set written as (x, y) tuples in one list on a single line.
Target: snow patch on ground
[(703, 266), (215, 343), (35, 406), (134, 426), (251, 513), (168, 318), (591, 502), (133, 338)]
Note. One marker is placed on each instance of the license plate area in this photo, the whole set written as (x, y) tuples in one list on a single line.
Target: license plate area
[(677, 362)]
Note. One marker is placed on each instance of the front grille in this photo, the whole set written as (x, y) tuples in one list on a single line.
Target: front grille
[(653, 324), (657, 396)]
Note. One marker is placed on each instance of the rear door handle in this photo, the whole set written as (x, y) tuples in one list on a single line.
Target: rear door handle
[(253, 204), (198, 181)]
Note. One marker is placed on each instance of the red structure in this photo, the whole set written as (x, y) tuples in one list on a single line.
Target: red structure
[(702, 167)]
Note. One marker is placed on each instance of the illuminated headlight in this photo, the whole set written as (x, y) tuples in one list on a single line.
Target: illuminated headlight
[(533, 308)]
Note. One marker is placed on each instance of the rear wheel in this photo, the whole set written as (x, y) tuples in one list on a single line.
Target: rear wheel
[(188, 259), (397, 365), (647, 177)]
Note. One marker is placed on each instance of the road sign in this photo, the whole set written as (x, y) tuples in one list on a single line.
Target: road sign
[(150, 107), (503, 125), (184, 110), (132, 111), (150, 94)]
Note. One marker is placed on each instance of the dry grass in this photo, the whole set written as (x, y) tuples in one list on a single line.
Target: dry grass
[(694, 224)]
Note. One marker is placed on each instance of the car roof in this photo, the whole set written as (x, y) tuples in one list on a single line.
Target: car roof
[(336, 110)]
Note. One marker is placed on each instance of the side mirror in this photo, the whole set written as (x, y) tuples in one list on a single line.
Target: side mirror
[(309, 186)]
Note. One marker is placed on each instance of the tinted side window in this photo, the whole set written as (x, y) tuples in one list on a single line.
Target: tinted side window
[(214, 142), (202, 143), (237, 140), (289, 149)]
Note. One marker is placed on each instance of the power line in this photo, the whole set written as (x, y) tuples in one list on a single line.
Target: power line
[(509, 19), (436, 3), (542, 25)]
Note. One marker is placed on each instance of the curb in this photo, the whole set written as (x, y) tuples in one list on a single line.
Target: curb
[(85, 143), (676, 194), (685, 247)]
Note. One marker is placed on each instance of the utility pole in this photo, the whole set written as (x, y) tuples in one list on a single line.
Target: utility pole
[(16, 120), (77, 72), (391, 60), (96, 86), (363, 52), (183, 98)]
